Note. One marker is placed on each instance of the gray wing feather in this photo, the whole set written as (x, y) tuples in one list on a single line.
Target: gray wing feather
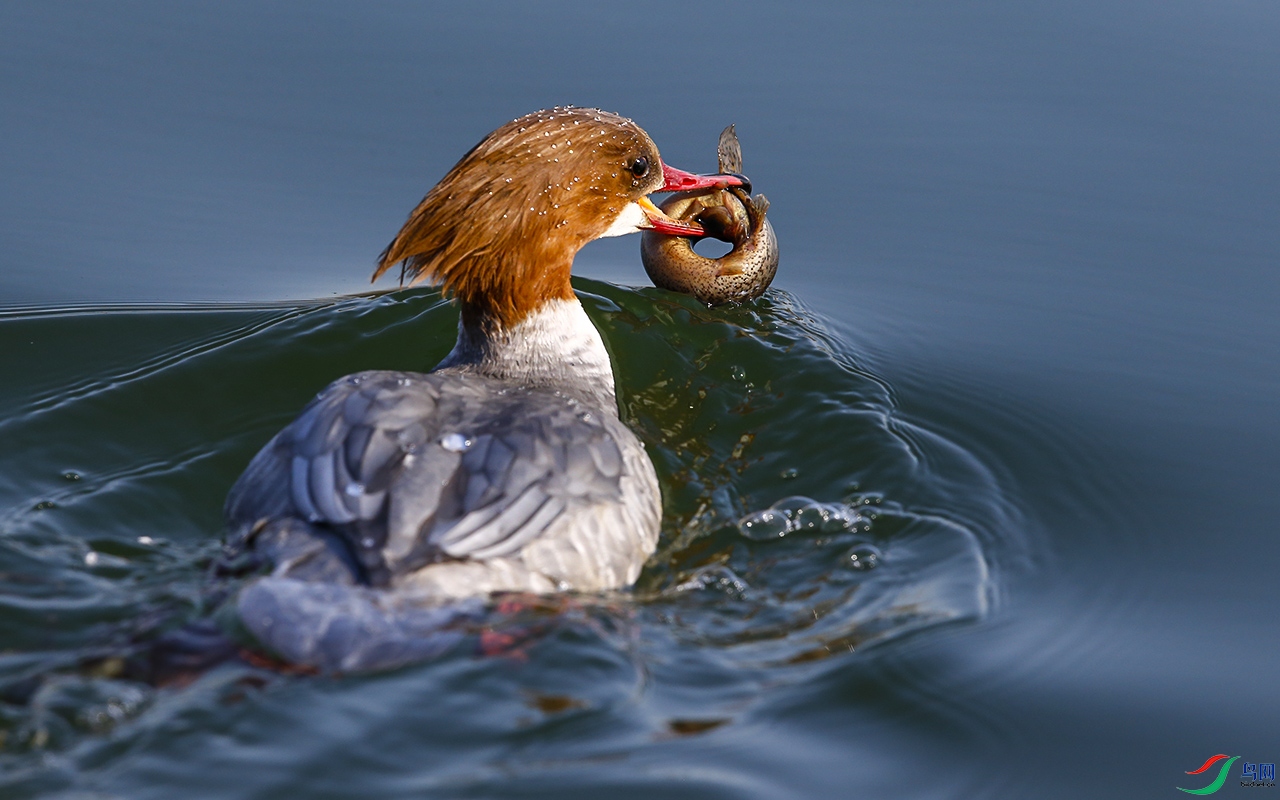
[(462, 539), (521, 535), (368, 458), (324, 480)]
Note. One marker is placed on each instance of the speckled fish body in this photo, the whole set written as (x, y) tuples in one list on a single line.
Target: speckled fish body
[(730, 215)]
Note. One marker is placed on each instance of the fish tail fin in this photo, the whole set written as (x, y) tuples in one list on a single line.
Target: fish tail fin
[(729, 151)]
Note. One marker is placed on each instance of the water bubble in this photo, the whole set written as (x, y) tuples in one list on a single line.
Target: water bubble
[(367, 542), (761, 526), (91, 559), (863, 557), (71, 476), (45, 505), (798, 513), (737, 373), (794, 503), (842, 518), (455, 442), (789, 474), (146, 540), (810, 518), (355, 489), (716, 577)]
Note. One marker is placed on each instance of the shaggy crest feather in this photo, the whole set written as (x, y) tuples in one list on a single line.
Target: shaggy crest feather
[(499, 232)]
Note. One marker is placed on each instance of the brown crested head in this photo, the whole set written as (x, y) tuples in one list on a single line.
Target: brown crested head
[(500, 230)]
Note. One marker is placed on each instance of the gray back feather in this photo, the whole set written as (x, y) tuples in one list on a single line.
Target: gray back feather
[(416, 468)]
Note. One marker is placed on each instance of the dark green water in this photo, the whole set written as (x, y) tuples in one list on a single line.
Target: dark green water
[(109, 535), (1023, 337)]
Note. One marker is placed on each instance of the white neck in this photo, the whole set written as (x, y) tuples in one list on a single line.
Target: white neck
[(555, 347)]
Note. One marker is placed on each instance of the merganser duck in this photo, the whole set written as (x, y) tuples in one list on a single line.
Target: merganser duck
[(506, 468)]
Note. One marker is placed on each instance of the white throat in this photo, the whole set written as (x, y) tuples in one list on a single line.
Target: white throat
[(629, 220), (556, 347)]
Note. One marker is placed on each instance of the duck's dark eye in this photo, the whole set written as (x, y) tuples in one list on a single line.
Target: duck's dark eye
[(640, 167)]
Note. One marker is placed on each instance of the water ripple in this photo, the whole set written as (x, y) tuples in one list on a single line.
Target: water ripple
[(884, 529)]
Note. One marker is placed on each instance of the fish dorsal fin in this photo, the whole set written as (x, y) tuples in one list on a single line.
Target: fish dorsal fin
[(759, 207), (729, 151)]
